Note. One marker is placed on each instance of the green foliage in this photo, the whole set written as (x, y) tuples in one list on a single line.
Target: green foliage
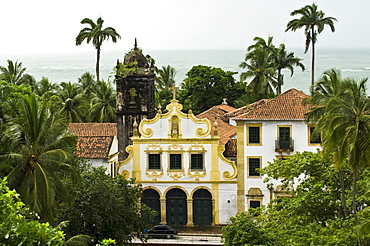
[(18, 225), (103, 103), (73, 102), (165, 78), (206, 86), (105, 207), (14, 73), (313, 22), (95, 34), (264, 63), (246, 230), (35, 144), (312, 213), (123, 70), (106, 242)]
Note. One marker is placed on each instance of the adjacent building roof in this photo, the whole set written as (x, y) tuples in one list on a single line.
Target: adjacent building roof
[(246, 109), (225, 130), (93, 139), (287, 106)]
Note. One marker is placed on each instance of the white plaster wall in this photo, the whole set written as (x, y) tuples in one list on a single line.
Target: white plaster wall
[(114, 146), (188, 128), (227, 202), (267, 151), (225, 209), (185, 161), (98, 162)]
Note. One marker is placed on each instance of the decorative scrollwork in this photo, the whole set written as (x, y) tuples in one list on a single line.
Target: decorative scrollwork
[(227, 175)]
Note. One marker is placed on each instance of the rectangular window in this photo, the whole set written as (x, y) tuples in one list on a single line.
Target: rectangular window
[(254, 164), (154, 161), (254, 135), (254, 204), (315, 138), (196, 161), (175, 161)]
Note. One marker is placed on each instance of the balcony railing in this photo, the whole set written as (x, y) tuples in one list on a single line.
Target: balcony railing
[(281, 145)]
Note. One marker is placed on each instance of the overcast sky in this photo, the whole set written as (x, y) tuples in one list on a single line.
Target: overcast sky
[(40, 26)]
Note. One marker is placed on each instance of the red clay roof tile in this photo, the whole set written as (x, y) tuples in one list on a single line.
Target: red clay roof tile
[(287, 106), (93, 139)]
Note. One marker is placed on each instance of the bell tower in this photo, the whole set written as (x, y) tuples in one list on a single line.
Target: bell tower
[(135, 96)]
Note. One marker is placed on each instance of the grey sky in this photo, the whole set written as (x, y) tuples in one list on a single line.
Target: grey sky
[(40, 26)]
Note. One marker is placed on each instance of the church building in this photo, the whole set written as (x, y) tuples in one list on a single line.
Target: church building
[(196, 170)]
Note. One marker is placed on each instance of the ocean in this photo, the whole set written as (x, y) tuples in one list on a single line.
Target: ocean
[(64, 67)]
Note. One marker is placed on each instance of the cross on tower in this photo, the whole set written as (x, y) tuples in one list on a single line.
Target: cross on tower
[(174, 92)]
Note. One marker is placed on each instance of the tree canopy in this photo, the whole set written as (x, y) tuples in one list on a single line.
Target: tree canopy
[(105, 207), (313, 21), (207, 86)]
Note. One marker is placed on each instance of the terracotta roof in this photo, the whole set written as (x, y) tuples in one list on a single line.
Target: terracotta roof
[(93, 147), (287, 106), (246, 109), (225, 130), (93, 139), (230, 148), (93, 129)]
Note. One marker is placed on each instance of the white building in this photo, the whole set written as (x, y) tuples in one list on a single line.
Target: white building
[(182, 169), (273, 129)]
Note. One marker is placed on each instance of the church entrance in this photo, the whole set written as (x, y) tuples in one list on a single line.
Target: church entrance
[(151, 199), (202, 207), (176, 207)]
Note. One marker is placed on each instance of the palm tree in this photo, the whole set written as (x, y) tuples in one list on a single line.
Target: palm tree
[(44, 88), (103, 106), (326, 88), (165, 78), (14, 73), (259, 66), (344, 126), (313, 21), (285, 60), (73, 102), (87, 82), (97, 35), (38, 144)]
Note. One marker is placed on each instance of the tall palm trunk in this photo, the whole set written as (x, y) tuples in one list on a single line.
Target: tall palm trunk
[(97, 62), (354, 206), (313, 58), (279, 82), (343, 193)]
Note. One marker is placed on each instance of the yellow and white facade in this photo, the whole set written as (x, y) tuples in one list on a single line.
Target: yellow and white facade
[(181, 168)]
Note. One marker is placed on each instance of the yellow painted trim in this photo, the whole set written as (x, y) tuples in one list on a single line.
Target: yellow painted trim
[(176, 140), (173, 187), (156, 189), (226, 175), (192, 173), (309, 136), (240, 134), (188, 182), (174, 108), (199, 188), (130, 151), (290, 132), (254, 157), (215, 169), (113, 155), (216, 200), (136, 169), (247, 134)]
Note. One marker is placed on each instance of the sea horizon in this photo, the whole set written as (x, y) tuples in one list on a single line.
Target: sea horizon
[(69, 66)]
